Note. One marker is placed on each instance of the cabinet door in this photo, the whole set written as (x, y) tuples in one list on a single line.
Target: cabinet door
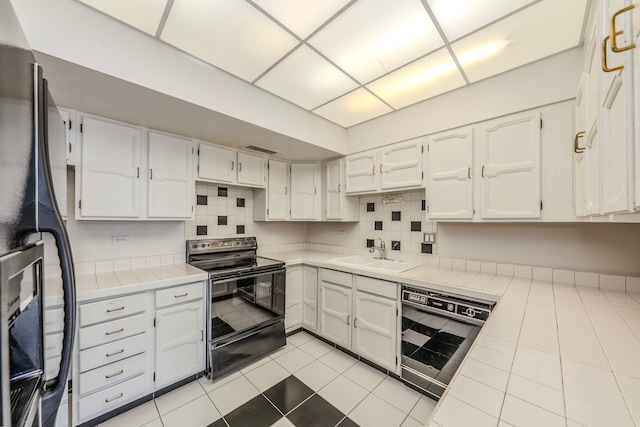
[(216, 163), (375, 329), (335, 313), (68, 117), (305, 198), (510, 158), (450, 187), (278, 191), (110, 171), (360, 172), (401, 165), (591, 162), (333, 189), (170, 178), (179, 342), (251, 169), (293, 296), (579, 129), (309, 297)]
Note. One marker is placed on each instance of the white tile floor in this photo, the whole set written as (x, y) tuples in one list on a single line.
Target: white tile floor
[(365, 395)]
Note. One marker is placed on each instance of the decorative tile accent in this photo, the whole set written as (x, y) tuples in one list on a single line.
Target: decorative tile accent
[(201, 230), (377, 225), (239, 229), (240, 203), (416, 226), (222, 192), (371, 207), (222, 220), (395, 245), (396, 216), (201, 200), (426, 248), (370, 243)]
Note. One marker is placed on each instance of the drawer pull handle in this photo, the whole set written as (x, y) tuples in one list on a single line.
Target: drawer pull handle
[(111, 399), (181, 295), (115, 374), (115, 332), (115, 353), (111, 310)]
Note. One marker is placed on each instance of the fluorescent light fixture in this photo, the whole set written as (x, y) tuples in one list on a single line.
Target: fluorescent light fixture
[(353, 108), (144, 15), (481, 52)]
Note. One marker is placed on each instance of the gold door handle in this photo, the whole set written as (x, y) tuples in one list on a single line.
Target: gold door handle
[(380, 168), (613, 33), (373, 169), (339, 187), (483, 171), (577, 149), (469, 173), (150, 173), (605, 67), (285, 190), (231, 165)]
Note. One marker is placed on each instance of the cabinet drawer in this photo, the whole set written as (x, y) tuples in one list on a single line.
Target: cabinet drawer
[(111, 398), (111, 374), (337, 277), (114, 308), (111, 331), (179, 294), (112, 352), (383, 288)]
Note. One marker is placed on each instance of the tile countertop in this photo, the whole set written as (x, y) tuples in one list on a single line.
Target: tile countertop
[(551, 354), (104, 285)]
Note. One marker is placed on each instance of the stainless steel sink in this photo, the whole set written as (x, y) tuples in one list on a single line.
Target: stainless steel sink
[(369, 263)]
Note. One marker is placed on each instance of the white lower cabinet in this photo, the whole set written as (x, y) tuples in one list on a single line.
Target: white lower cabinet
[(360, 314), (301, 298), (118, 356)]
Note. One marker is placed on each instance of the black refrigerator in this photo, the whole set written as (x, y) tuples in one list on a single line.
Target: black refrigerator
[(30, 221)]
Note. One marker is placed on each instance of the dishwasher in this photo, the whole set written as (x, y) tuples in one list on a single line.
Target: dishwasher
[(438, 330)]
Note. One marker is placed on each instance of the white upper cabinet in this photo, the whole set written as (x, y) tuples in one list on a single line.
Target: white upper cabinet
[(251, 169), (272, 203), (69, 119), (337, 206), (305, 195), (125, 172), (170, 180), (510, 158), (221, 164), (450, 184), (216, 163), (109, 184), (396, 166)]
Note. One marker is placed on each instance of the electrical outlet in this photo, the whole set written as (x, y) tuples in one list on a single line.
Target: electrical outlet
[(429, 238), (119, 240)]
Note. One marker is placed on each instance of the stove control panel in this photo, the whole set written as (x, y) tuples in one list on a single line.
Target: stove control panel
[(215, 245), (451, 305)]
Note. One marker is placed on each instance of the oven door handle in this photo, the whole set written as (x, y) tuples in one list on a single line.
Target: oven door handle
[(215, 281)]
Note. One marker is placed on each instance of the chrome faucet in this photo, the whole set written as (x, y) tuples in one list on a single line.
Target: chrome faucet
[(382, 249)]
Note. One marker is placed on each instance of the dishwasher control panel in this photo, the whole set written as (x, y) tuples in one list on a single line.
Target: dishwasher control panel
[(453, 305)]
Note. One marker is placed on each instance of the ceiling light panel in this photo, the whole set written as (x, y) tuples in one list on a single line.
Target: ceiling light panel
[(539, 31), (229, 34), (353, 108), (302, 17), (374, 37), (306, 79), (461, 17), (430, 76), (144, 15)]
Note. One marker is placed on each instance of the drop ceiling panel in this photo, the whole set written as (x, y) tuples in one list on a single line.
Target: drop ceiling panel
[(229, 34), (301, 17), (306, 79), (539, 31), (430, 76), (355, 107), (144, 15), (461, 17), (374, 37)]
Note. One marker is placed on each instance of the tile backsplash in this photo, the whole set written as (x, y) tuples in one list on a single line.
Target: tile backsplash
[(400, 225), (221, 211)]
